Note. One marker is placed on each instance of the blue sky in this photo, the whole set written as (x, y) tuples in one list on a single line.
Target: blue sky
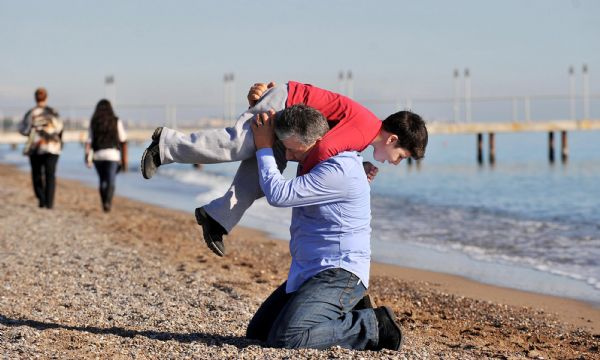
[(177, 52)]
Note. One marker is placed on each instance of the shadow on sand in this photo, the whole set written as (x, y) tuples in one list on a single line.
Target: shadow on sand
[(208, 339)]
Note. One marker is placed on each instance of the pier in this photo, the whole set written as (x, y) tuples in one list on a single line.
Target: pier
[(550, 127)]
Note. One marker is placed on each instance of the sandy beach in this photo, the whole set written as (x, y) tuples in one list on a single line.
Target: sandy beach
[(139, 282)]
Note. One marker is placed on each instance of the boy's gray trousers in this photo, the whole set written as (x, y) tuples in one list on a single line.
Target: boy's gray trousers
[(236, 143)]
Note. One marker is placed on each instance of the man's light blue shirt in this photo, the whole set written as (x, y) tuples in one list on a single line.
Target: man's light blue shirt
[(331, 215)]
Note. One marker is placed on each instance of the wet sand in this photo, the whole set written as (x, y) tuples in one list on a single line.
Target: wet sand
[(140, 283)]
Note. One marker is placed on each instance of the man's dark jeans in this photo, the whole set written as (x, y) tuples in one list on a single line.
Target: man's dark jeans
[(43, 168), (318, 315)]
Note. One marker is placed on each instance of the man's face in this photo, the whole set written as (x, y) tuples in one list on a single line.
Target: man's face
[(387, 151), (296, 150)]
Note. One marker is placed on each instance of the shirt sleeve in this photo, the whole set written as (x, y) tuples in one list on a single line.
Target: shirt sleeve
[(121, 131), (90, 134), (324, 184), (24, 126)]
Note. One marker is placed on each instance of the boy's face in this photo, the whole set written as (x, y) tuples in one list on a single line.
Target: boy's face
[(387, 151)]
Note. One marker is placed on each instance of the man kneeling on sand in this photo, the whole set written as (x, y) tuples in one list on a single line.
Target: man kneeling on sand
[(330, 244)]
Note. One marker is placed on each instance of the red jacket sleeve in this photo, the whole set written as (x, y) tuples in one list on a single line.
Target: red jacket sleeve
[(353, 126)]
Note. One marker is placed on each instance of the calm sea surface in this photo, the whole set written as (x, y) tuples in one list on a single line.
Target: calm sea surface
[(523, 223)]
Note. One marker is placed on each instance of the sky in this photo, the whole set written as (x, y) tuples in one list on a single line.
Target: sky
[(177, 52)]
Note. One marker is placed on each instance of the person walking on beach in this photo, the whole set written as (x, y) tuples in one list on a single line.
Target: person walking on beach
[(353, 127), (106, 147), (43, 129), (330, 244)]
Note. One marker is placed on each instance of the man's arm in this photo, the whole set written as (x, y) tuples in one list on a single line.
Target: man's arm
[(324, 184)]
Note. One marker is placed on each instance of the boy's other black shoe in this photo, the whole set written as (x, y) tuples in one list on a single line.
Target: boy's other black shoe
[(151, 157), (212, 231)]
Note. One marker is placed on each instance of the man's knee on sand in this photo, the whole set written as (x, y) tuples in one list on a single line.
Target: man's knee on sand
[(274, 337), (287, 339)]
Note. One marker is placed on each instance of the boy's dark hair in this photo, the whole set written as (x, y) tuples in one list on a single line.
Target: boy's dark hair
[(411, 131)]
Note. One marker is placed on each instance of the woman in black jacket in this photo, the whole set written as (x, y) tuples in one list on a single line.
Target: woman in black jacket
[(106, 147)]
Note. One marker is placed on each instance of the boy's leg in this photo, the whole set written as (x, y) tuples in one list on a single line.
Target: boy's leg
[(244, 189), (210, 146), (319, 315), (218, 217)]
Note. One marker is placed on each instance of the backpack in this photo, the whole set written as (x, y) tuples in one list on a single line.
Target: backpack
[(44, 127)]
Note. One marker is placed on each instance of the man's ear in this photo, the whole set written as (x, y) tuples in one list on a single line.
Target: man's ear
[(392, 139)]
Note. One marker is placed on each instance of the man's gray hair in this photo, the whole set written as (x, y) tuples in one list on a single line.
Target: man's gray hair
[(306, 123)]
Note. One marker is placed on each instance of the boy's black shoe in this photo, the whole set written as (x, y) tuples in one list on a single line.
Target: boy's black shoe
[(390, 333), (212, 232), (151, 156)]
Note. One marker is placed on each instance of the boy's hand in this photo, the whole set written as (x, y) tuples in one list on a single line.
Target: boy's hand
[(256, 91), (370, 169), (263, 130)]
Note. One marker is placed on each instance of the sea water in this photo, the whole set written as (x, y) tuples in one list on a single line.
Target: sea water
[(522, 223)]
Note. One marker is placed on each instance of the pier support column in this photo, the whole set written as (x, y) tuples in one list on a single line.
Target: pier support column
[(564, 147), (480, 148), (409, 161), (492, 145), (551, 146)]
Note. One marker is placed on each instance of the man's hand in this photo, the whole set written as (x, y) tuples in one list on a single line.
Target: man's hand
[(263, 130), (370, 169), (256, 91)]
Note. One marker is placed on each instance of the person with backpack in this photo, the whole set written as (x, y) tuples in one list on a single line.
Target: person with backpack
[(105, 147), (43, 129)]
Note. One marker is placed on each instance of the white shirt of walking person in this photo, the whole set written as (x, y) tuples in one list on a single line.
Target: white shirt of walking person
[(110, 154)]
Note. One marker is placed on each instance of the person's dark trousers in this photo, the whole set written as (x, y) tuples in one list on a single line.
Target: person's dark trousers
[(43, 170), (107, 172), (318, 315)]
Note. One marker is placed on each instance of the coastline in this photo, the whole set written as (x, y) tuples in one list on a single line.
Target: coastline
[(445, 314)]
